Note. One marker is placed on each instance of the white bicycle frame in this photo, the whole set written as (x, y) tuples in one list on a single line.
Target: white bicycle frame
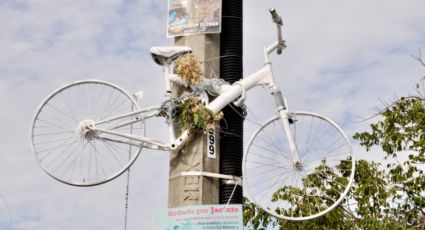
[(91, 152), (226, 94)]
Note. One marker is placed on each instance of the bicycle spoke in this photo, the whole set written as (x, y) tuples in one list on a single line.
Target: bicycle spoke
[(52, 149), (53, 125), (111, 148), (73, 153), (71, 166), (261, 156), (63, 113), (298, 192), (53, 141)]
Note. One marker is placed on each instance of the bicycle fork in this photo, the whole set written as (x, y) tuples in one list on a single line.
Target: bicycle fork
[(284, 117)]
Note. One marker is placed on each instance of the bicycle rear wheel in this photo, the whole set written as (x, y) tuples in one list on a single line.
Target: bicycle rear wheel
[(298, 191), (74, 155)]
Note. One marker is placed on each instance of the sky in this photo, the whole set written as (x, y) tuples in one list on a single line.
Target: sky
[(343, 59)]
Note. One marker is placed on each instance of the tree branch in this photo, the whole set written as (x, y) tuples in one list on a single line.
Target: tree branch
[(389, 105), (348, 211), (418, 57)]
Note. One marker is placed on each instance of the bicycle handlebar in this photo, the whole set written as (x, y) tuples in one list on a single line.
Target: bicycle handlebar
[(279, 23)]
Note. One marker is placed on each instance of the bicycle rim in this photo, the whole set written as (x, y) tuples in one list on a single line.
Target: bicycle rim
[(82, 158), (316, 186)]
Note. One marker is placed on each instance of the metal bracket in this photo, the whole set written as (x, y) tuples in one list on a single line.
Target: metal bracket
[(241, 100), (229, 178)]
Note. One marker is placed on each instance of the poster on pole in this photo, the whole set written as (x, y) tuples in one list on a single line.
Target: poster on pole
[(202, 217), (188, 17)]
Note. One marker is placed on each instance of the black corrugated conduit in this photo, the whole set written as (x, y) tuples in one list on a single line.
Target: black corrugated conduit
[(231, 70)]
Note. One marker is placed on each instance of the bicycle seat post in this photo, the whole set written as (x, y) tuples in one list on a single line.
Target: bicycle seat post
[(164, 56), (166, 69)]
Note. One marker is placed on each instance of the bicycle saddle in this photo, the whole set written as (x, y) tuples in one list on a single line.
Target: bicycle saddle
[(166, 55)]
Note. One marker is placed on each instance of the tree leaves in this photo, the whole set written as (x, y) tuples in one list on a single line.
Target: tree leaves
[(388, 196)]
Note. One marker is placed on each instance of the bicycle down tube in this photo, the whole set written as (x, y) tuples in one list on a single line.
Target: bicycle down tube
[(89, 132), (227, 95)]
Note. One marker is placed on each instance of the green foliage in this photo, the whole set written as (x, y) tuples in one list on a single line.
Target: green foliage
[(191, 114), (390, 195), (401, 135), (195, 117), (323, 185), (402, 129)]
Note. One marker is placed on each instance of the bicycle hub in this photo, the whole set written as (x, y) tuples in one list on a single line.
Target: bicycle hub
[(85, 130), (298, 165)]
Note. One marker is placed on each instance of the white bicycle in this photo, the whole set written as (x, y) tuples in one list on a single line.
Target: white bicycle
[(297, 165)]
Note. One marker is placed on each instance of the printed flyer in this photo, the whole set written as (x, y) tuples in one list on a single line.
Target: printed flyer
[(203, 217), (187, 17)]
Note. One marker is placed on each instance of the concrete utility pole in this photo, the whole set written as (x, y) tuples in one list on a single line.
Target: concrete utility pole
[(196, 190), (224, 60)]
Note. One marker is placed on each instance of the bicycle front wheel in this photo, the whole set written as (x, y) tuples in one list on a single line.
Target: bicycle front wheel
[(305, 189), (68, 151)]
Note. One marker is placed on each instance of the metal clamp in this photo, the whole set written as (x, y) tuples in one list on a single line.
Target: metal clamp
[(229, 178), (241, 100)]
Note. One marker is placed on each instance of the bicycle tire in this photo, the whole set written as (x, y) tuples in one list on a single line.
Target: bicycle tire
[(279, 187), (72, 156)]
